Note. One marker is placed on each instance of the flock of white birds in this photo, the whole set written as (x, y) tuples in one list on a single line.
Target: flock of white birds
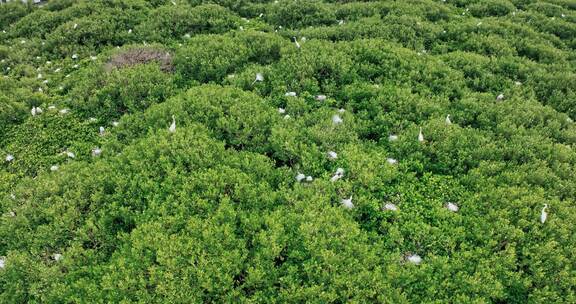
[(300, 177)]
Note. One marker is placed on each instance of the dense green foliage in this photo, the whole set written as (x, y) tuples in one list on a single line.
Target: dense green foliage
[(101, 203)]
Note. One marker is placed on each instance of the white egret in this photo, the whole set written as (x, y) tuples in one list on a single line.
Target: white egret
[(309, 178), (92, 119), (500, 97), (75, 25), (74, 56), (63, 111), (130, 31), (544, 214), (336, 119), (300, 177), (57, 257), (390, 207), (320, 97), (2, 262), (93, 58), (74, 66), (172, 128), (517, 83), (414, 259), (347, 203), (286, 116), (115, 123), (51, 107), (296, 42), (391, 161), (96, 152), (259, 78), (9, 157), (290, 94), (70, 154), (57, 70), (448, 121), (452, 207), (39, 76), (341, 110), (338, 175), (340, 22), (33, 111), (101, 131), (332, 155), (11, 214), (281, 110), (392, 137), (54, 168), (420, 136)]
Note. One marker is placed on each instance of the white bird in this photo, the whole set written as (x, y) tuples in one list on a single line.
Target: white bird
[(33, 111), (92, 119), (130, 31), (75, 25), (74, 56), (290, 94), (347, 203), (390, 207), (70, 154), (51, 107), (336, 119), (63, 111), (414, 259), (172, 128), (54, 168), (544, 214), (9, 157), (300, 177), (39, 76), (259, 77), (320, 97), (517, 83), (2, 262), (115, 123), (296, 42), (452, 207), (57, 257), (309, 178), (420, 136), (281, 110), (96, 152), (286, 116), (338, 175), (500, 97), (448, 121), (93, 58), (392, 161), (332, 155), (341, 110), (101, 131), (57, 70), (392, 137), (340, 22)]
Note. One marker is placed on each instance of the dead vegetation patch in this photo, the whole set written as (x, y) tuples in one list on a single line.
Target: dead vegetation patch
[(137, 56)]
